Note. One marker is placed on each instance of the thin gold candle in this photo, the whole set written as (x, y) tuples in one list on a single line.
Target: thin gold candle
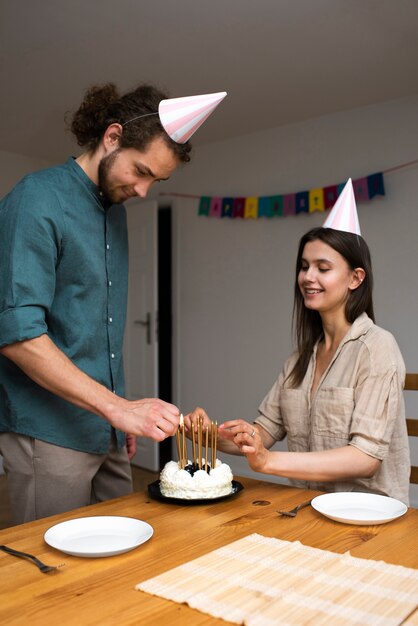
[(206, 448), (194, 444), (212, 441), (216, 443), (178, 445), (199, 442), (184, 447), (181, 428)]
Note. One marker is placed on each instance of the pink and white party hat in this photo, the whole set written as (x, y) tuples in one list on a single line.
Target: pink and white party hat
[(181, 117), (343, 215)]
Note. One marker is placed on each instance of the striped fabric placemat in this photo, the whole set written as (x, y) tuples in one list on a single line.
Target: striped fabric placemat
[(258, 581)]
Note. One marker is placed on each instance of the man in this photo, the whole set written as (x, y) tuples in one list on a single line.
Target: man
[(63, 291)]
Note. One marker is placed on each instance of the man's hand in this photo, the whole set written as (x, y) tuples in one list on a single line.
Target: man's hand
[(131, 446), (50, 368), (149, 417)]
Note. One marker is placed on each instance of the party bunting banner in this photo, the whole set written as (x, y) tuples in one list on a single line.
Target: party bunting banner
[(308, 201)]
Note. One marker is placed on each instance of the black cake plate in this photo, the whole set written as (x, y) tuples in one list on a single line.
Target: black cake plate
[(155, 492)]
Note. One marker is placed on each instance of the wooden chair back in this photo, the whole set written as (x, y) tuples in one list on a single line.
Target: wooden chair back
[(411, 384)]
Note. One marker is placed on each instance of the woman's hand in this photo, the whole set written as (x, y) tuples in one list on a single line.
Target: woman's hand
[(193, 418), (248, 439)]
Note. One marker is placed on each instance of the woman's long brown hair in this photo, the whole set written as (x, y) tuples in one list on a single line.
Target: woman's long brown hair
[(307, 324)]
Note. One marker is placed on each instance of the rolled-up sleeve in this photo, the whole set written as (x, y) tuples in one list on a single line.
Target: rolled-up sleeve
[(378, 403), (269, 413), (30, 237)]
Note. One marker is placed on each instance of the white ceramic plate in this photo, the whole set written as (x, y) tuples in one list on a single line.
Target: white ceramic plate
[(359, 508), (103, 535)]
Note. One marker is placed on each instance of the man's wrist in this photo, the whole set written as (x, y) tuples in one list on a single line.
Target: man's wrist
[(107, 404)]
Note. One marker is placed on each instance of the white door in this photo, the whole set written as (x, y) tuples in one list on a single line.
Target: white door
[(141, 341)]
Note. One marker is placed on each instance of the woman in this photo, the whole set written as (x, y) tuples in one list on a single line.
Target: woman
[(339, 397)]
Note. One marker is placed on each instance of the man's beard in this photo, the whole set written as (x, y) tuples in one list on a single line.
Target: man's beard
[(104, 175)]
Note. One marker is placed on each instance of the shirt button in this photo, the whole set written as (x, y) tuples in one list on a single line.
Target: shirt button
[(112, 355), (110, 283), (110, 319), (107, 247)]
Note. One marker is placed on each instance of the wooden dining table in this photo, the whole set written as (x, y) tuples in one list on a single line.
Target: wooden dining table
[(87, 591)]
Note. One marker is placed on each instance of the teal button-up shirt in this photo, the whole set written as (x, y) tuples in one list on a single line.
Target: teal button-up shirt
[(64, 272)]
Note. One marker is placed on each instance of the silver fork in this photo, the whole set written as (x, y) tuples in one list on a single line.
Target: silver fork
[(24, 555), (293, 512)]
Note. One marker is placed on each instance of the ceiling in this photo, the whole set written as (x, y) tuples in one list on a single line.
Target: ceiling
[(281, 61)]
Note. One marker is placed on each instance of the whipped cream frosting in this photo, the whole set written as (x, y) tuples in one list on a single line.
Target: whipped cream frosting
[(179, 483)]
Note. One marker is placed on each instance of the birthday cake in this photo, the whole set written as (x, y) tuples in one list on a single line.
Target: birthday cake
[(192, 483)]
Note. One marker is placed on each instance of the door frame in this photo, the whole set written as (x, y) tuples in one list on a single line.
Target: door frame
[(165, 318), (164, 329)]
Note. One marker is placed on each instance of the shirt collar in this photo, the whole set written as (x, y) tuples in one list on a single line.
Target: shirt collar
[(359, 327), (87, 182)]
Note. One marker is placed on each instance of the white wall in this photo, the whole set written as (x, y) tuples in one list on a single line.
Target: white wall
[(235, 277)]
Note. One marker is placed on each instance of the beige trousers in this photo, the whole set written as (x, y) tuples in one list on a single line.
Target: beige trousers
[(44, 479)]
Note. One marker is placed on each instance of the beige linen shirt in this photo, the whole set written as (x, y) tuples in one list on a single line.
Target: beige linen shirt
[(358, 402)]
